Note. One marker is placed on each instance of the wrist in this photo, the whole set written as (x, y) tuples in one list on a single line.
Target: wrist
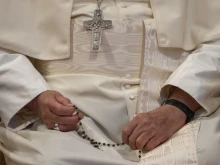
[(181, 107), (33, 104), (183, 97), (175, 112)]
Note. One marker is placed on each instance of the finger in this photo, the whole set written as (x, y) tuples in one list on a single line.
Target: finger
[(49, 125), (64, 119), (127, 131), (67, 128), (63, 100), (142, 140), (134, 136), (62, 110), (153, 143), (80, 116)]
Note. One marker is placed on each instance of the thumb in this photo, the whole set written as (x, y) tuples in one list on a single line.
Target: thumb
[(63, 100)]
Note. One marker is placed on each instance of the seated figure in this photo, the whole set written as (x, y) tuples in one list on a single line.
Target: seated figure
[(103, 82)]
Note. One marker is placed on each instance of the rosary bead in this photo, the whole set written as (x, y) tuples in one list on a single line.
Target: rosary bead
[(97, 144)]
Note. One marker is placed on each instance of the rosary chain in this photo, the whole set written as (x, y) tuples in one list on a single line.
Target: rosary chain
[(81, 132), (99, 2)]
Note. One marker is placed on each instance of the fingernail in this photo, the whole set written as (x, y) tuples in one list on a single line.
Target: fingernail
[(81, 116), (75, 113), (70, 105)]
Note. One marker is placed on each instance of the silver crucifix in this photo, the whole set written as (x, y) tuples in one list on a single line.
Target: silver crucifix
[(97, 25)]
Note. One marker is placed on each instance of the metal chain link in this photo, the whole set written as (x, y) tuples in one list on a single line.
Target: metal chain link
[(99, 2)]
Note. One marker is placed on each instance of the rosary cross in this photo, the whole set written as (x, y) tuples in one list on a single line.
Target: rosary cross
[(97, 25)]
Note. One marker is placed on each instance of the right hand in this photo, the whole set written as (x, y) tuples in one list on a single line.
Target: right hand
[(52, 107)]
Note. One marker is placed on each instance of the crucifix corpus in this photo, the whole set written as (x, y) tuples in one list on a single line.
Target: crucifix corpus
[(97, 25)]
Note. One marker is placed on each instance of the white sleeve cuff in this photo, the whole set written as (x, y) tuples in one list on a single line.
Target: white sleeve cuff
[(21, 119), (199, 76), (19, 84)]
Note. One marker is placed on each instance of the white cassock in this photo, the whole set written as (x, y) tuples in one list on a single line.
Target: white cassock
[(134, 67)]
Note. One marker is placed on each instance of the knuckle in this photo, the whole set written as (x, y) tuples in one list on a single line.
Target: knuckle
[(139, 144), (145, 121), (139, 116), (125, 131)]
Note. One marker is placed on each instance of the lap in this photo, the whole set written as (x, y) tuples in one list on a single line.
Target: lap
[(38, 145), (196, 143)]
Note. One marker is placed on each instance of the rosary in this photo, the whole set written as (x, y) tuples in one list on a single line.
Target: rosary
[(97, 25), (93, 142)]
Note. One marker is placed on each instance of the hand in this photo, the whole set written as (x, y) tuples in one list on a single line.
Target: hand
[(148, 130), (52, 107)]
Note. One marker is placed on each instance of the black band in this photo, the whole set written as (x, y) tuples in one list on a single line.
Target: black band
[(189, 113)]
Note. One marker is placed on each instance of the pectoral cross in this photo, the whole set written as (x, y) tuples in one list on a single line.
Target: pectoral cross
[(97, 25)]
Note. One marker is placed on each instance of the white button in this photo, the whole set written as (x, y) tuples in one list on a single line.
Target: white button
[(127, 86), (124, 6), (128, 76), (163, 41), (134, 115), (131, 97)]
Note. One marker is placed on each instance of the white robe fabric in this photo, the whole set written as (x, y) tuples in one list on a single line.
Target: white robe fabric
[(111, 86)]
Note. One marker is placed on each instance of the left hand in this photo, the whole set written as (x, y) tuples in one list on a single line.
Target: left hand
[(148, 130)]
